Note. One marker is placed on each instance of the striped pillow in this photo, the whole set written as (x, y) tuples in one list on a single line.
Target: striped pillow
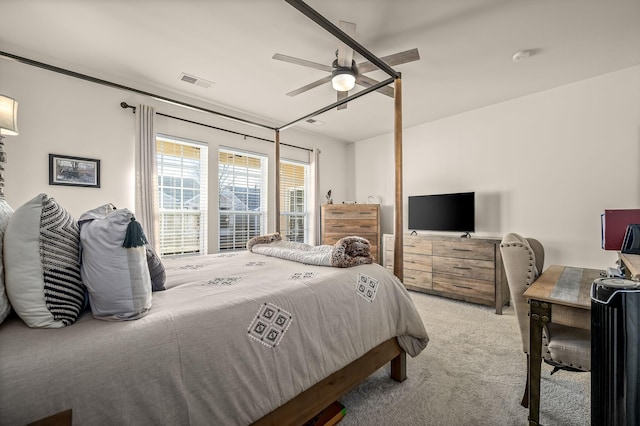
[(42, 264), (5, 214), (156, 270)]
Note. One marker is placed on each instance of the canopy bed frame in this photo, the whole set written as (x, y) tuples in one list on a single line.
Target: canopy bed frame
[(313, 400), (318, 397), (395, 77)]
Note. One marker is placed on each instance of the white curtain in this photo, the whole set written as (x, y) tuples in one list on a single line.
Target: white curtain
[(146, 209), (314, 193)]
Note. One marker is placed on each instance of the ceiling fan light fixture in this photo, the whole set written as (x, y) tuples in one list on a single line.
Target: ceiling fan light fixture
[(343, 79)]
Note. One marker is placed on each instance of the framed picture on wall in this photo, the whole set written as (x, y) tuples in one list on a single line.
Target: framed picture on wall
[(74, 171)]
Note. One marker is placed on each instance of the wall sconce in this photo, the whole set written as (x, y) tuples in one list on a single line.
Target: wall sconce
[(8, 127)]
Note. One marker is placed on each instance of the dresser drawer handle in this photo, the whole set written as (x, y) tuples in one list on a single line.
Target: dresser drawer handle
[(459, 249), (461, 267), (463, 286)]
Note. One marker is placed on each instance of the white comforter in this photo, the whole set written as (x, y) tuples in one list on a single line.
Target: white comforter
[(296, 252), (210, 351)]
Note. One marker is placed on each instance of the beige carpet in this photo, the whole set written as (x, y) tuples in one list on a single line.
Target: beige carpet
[(471, 373)]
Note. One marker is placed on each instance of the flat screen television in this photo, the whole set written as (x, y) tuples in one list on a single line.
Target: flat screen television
[(443, 212)]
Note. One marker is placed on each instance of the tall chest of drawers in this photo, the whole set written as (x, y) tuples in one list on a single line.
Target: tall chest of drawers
[(342, 220), (458, 268)]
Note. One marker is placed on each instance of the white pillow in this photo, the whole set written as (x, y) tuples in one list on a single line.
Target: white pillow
[(117, 278), (5, 214), (42, 264)]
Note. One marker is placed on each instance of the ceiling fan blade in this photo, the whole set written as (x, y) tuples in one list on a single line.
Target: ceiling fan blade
[(365, 81), (341, 96), (310, 86), (345, 53), (303, 62), (392, 60)]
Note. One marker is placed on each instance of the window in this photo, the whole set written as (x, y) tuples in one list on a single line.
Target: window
[(242, 189), (294, 214), (182, 196)]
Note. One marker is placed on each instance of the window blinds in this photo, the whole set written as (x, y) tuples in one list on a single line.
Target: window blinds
[(294, 214), (182, 188), (242, 190)]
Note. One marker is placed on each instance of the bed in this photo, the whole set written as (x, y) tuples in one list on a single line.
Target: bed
[(234, 339), (201, 355)]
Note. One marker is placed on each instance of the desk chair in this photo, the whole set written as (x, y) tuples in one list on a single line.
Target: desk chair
[(564, 347)]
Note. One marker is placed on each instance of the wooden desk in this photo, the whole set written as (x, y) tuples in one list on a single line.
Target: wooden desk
[(632, 263), (560, 295)]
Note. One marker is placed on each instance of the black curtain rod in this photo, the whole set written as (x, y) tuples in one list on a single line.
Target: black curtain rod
[(125, 105), (85, 77)]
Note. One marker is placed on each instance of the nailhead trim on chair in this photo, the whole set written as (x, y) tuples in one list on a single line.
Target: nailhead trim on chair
[(531, 265)]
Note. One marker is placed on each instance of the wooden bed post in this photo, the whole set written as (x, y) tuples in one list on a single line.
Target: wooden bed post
[(398, 242), (277, 192)]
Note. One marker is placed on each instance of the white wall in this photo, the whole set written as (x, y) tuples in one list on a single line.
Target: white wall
[(64, 115), (544, 165)]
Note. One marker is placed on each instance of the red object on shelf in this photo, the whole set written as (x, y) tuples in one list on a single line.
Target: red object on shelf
[(614, 225)]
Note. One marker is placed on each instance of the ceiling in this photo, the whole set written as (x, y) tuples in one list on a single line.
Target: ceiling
[(466, 49)]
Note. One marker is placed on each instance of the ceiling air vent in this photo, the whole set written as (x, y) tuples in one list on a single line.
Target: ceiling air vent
[(196, 80), (314, 122)]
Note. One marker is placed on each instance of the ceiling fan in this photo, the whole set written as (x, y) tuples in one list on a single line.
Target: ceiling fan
[(344, 72)]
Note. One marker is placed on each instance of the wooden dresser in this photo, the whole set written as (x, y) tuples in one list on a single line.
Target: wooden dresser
[(467, 269), (342, 220)]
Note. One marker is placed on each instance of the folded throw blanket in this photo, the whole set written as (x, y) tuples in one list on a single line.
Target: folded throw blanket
[(351, 251), (347, 252), (263, 239)]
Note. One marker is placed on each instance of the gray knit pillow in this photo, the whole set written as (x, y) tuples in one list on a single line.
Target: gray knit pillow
[(117, 277), (156, 270), (42, 264)]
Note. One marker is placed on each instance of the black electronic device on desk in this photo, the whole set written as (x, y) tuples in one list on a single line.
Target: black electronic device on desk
[(631, 240)]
